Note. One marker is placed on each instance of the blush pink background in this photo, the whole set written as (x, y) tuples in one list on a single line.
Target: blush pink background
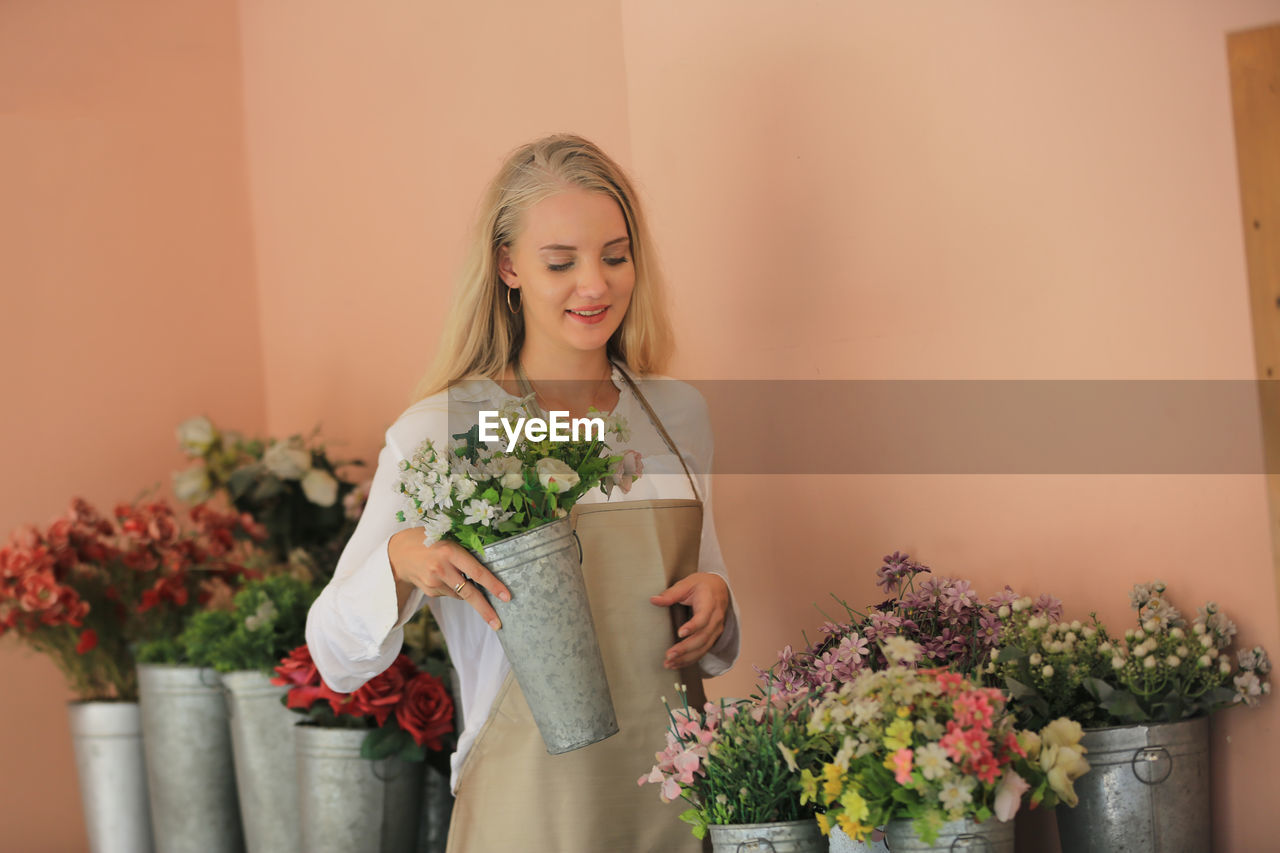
[(255, 211)]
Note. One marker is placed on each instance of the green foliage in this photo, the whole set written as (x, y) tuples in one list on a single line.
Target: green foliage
[(160, 650), (268, 620)]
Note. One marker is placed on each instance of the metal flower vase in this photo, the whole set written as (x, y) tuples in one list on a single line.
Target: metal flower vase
[(549, 638), (1147, 791), (841, 843), (990, 836), (793, 836), (107, 737), (190, 772), (266, 777), (350, 804)]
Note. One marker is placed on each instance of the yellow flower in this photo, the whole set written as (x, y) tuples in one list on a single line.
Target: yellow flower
[(855, 808), (808, 787), (898, 735), (833, 782), (853, 828), (824, 823), (904, 712)]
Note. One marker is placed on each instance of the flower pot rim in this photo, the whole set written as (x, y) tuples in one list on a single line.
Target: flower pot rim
[(1149, 724)]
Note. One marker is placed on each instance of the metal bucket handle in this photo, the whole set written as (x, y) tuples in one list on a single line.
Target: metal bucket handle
[(754, 844), (577, 542), (1148, 756), (373, 766), (967, 842)]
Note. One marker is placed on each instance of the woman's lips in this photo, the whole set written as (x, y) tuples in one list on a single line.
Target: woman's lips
[(588, 315)]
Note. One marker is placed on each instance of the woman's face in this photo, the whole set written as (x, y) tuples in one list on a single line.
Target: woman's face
[(571, 262)]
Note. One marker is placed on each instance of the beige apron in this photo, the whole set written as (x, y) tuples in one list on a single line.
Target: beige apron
[(513, 796)]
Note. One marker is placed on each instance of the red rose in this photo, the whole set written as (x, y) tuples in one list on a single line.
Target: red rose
[(378, 696), (426, 711), (297, 669)]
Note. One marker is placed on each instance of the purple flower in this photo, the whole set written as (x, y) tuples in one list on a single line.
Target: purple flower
[(1005, 596), (1048, 606), (958, 596)]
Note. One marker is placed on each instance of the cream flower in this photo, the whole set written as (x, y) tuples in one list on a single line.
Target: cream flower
[(287, 460), (320, 487), (196, 435), (193, 485), (551, 470), (506, 470), (1009, 795)]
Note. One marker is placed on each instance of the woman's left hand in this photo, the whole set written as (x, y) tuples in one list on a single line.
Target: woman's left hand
[(707, 595)]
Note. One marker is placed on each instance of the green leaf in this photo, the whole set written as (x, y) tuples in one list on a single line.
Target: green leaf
[(1123, 705), (507, 496), (1010, 653), (490, 494), (383, 742)]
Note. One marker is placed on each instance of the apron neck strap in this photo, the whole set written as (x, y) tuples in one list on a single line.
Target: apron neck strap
[(657, 423), (526, 388)]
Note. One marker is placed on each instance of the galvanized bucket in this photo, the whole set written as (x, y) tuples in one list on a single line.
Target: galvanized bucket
[(990, 836), (793, 836), (841, 843), (549, 637), (350, 804), (437, 810), (107, 737), (190, 771), (1147, 789), (266, 776)]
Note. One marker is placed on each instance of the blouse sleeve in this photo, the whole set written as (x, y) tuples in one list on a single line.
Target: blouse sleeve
[(353, 629)]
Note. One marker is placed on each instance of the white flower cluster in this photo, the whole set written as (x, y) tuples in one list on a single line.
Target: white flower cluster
[(433, 486), (291, 460)]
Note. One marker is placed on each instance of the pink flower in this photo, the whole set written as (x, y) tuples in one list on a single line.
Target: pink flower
[(902, 766), (1009, 795), (670, 790)]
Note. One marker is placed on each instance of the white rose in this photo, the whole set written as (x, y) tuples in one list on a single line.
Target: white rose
[(507, 470), (320, 487), (196, 435), (552, 470), (192, 485), (286, 461)]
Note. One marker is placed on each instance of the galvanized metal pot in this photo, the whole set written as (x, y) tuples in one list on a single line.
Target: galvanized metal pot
[(190, 772), (793, 836), (266, 775), (549, 637), (107, 737), (990, 836), (841, 843), (437, 809), (1147, 789), (350, 804)]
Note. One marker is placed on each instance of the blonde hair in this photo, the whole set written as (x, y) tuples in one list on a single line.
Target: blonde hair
[(481, 335)]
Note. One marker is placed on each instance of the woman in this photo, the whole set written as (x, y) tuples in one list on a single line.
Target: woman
[(561, 287)]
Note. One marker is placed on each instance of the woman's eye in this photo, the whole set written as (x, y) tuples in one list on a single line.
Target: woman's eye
[(613, 262), (559, 267)]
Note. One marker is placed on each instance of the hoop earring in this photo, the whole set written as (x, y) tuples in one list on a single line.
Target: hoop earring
[(520, 303)]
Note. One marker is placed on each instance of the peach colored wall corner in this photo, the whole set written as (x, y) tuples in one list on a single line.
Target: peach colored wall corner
[(872, 190), (128, 301)]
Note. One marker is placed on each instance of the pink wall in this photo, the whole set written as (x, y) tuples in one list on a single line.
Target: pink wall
[(988, 190), (129, 300)]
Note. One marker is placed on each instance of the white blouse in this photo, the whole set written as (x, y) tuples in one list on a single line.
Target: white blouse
[(353, 629)]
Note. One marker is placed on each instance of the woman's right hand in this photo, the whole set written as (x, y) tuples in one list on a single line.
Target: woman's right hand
[(442, 569)]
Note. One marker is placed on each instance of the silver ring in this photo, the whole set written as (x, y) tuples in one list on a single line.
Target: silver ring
[(457, 590)]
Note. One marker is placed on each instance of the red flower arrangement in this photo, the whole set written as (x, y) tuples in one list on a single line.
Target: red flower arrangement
[(409, 711), (88, 588)]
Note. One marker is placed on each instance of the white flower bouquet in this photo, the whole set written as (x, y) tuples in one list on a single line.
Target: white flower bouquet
[(475, 494)]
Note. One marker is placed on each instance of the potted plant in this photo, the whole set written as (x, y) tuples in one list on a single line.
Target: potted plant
[(954, 627), (360, 755), (267, 620), (511, 509), (735, 764), (86, 590), (1145, 699), (934, 757)]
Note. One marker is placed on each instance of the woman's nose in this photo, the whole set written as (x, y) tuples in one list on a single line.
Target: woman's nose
[(592, 280)]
